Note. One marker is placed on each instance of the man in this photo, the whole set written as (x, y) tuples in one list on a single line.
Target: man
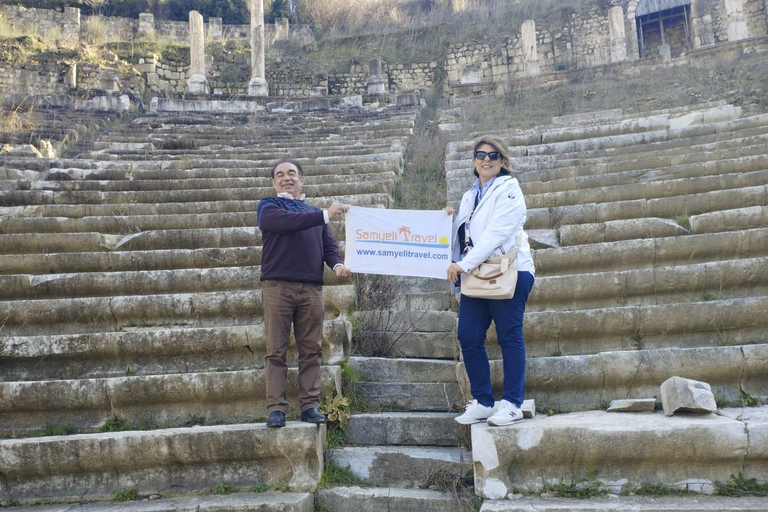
[(297, 240)]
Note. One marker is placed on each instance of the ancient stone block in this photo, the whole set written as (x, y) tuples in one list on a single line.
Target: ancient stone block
[(680, 394)]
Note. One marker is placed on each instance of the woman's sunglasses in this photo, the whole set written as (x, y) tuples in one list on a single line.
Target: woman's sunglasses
[(493, 155)]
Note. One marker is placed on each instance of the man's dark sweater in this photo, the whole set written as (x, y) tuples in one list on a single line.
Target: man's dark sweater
[(296, 241)]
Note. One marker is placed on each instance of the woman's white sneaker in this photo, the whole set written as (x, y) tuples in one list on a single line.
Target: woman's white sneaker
[(475, 412), (506, 413)]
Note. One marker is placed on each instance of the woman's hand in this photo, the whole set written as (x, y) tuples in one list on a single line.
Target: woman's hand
[(450, 211), (453, 272)]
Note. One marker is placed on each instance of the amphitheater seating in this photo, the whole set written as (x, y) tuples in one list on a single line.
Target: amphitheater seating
[(130, 298)]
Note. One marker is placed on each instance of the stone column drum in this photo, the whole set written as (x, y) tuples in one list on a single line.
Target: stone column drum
[(258, 85), (530, 55), (197, 83)]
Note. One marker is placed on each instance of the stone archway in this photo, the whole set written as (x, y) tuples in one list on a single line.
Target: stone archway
[(663, 27)]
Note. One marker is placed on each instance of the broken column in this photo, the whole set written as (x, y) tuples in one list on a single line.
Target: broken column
[(736, 20), (618, 35), (377, 84), (197, 83), (530, 55), (146, 26), (258, 85)]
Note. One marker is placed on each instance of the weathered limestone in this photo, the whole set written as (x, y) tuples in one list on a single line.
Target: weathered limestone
[(258, 84), (584, 381), (632, 405), (736, 20), (377, 84), (628, 504), (354, 499), (530, 55), (686, 395), (402, 466), (190, 459), (162, 400), (197, 82), (625, 451), (243, 502), (618, 37), (404, 428), (147, 352)]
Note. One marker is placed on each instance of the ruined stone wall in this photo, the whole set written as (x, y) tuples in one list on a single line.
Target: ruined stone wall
[(37, 78), (590, 38), (43, 21), (756, 11)]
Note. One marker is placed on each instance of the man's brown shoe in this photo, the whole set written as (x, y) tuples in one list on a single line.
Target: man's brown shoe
[(276, 419)]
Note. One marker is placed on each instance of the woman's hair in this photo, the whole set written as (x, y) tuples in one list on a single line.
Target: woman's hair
[(496, 142), (289, 160)]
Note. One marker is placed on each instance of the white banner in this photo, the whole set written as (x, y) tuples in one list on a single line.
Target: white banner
[(398, 242)]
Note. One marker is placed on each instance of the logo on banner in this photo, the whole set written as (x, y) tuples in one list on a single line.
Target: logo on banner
[(403, 236)]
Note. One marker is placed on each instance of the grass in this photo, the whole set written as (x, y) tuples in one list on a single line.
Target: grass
[(651, 489), (64, 430), (746, 400), (125, 495), (115, 424), (580, 488), (335, 475), (461, 488), (738, 485)]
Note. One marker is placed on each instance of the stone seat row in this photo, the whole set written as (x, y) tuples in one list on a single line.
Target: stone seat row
[(605, 149), (155, 401), (548, 139), (589, 171), (749, 217), (151, 351), (656, 155), (73, 315), (169, 461)]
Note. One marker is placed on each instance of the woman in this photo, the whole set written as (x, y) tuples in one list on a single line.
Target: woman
[(490, 223)]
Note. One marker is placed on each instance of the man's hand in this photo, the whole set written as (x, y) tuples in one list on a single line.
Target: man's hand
[(342, 271), (337, 209)]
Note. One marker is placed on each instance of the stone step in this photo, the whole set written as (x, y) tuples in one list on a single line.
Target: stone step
[(547, 174), (110, 313), (572, 383), (647, 189), (550, 166), (695, 503), (382, 369), (731, 220), (657, 134), (427, 345), (31, 261), (151, 401), (651, 175), (739, 218), (402, 466), (410, 396), (270, 501), (162, 461), (408, 321), (673, 207), (654, 286), (405, 428), (226, 239), (689, 452), (151, 351), (685, 325), (649, 253), (388, 499)]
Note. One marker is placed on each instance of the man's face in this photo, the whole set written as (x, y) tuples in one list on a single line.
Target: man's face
[(288, 180)]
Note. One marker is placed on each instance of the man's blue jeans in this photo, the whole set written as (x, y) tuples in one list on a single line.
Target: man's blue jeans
[(475, 317)]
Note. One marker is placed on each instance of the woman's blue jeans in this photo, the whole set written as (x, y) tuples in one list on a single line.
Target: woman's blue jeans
[(475, 317)]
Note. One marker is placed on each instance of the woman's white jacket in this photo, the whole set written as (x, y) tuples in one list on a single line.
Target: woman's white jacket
[(495, 226)]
